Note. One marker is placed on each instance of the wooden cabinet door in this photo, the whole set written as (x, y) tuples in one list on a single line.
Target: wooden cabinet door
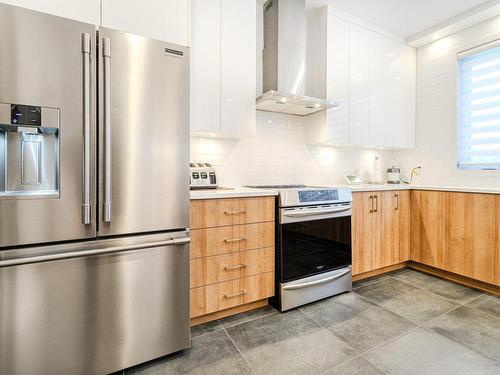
[(404, 225), (387, 238), (362, 232), (472, 227), (428, 220)]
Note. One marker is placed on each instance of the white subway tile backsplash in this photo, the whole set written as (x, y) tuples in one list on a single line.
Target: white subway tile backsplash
[(278, 154)]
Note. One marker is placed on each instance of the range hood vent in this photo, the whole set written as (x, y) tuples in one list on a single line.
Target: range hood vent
[(284, 61)]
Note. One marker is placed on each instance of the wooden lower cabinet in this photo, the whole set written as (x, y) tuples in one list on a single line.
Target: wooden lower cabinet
[(380, 232), (232, 255), (220, 296), (457, 232), (215, 269)]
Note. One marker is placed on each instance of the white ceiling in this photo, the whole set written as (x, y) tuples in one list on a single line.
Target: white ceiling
[(402, 17)]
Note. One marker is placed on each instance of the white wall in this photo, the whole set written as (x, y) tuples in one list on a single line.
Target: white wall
[(436, 136), (278, 154)]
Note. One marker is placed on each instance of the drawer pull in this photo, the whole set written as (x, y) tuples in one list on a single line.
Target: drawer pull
[(229, 268), (235, 294), (235, 239), (234, 212)]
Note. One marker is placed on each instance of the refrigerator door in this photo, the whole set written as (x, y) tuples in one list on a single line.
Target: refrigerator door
[(46, 188), (143, 134), (93, 307)]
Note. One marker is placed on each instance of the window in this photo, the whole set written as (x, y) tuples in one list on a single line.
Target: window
[(479, 108)]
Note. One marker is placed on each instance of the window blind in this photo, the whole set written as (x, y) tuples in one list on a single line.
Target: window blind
[(479, 109)]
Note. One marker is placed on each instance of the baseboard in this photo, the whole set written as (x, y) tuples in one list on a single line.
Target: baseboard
[(379, 271), (227, 312), (494, 289)]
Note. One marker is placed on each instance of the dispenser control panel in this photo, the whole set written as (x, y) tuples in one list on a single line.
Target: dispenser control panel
[(21, 114)]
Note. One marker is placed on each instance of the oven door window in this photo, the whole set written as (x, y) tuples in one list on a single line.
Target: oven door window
[(313, 247)]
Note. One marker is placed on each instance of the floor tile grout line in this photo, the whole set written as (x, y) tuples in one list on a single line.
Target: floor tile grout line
[(369, 300), (484, 312), (250, 320), (428, 291), (417, 326), (462, 346), (239, 351), (371, 283), (319, 325)]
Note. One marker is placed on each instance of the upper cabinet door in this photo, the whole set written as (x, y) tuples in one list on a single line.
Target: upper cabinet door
[(205, 67), (359, 73), (166, 20), (337, 85), (238, 67), (383, 87), (78, 10), (404, 101), (223, 67)]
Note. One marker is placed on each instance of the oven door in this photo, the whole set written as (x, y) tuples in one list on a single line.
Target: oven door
[(314, 240)]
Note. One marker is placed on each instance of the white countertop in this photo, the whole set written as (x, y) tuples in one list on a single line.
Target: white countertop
[(241, 192), (231, 192)]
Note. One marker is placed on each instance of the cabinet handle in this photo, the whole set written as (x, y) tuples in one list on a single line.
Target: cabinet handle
[(234, 212), (397, 202), (229, 268), (375, 198), (235, 294), (229, 240), (371, 203)]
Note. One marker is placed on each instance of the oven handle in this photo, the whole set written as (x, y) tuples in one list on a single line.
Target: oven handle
[(317, 282), (304, 213)]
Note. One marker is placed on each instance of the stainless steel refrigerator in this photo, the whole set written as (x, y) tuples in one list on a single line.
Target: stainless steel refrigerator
[(94, 196)]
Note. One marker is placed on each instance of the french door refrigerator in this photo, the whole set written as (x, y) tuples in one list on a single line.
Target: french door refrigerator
[(94, 196)]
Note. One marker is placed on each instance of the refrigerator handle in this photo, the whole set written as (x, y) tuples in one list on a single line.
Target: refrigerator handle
[(106, 54), (86, 207)]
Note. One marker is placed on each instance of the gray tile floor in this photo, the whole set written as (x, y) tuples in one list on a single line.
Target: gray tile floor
[(405, 322)]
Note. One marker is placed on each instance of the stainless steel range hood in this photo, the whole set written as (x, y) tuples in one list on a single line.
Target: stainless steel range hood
[(284, 61)]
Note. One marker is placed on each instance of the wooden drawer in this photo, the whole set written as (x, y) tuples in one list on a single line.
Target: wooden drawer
[(220, 296), (215, 269), (209, 213), (230, 239)]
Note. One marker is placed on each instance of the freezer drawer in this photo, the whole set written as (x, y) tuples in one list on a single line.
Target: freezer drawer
[(94, 314)]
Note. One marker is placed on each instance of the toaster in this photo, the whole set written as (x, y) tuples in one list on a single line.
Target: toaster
[(202, 176)]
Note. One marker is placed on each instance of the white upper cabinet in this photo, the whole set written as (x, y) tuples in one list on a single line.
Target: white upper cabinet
[(166, 20), (205, 67), (327, 77), (79, 10), (359, 95), (370, 75), (238, 67), (223, 66)]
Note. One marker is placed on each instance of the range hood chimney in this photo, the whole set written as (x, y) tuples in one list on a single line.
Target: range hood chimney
[(284, 61)]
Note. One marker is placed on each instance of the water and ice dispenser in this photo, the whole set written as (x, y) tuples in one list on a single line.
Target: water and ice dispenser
[(29, 150)]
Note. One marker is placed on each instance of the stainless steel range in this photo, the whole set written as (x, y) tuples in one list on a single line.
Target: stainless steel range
[(313, 251)]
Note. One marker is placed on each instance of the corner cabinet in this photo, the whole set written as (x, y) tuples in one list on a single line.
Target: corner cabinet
[(458, 233), (372, 76), (380, 230), (223, 66)]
